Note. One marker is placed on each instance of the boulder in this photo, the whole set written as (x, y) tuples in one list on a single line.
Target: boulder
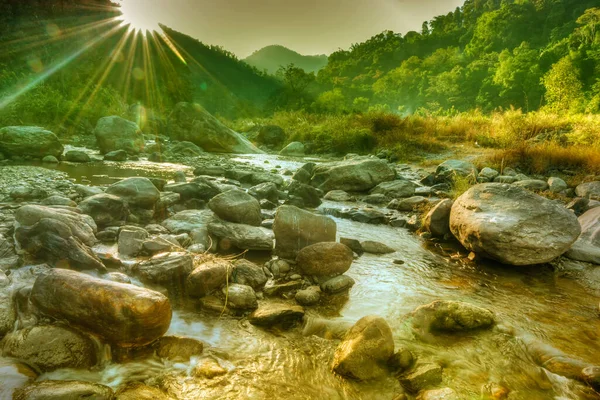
[(120, 313), (451, 316), (183, 149), (338, 195), (421, 377), (437, 220), (50, 347), (105, 209), (137, 192), (29, 141), (50, 160), (488, 174), (295, 229), (117, 155), (590, 190), (240, 297), (294, 149), (355, 175), (276, 315), (451, 168), (58, 201), (116, 133), (365, 351), (131, 240), (325, 259), (337, 284), (77, 156), (396, 189), (512, 225), (166, 268), (248, 273), (532, 184), (373, 247), (8, 312), (140, 391), (197, 189), (309, 195), (178, 348), (243, 237), (209, 276), (410, 204), (267, 190), (270, 135), (587, 246), (309, 296), (438, 394), (236, 206), (557, 185), (192, 123), (193, 222), (64, 390)]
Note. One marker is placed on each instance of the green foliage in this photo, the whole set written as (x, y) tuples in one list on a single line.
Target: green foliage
[(563, 87)]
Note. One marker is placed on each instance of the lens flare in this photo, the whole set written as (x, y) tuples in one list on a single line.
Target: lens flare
[(139, 16)]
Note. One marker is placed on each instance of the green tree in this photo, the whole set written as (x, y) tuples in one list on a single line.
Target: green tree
[(563, 87)]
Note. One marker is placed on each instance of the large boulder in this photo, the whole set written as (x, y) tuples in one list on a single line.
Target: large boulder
[(356, 175), (587, 246), (295, 229), (451, 316), (396, 189), (192, 123), (244, 237), (64, 390), (137, 192), (248, 273), (236, 206), (116, 133), (120, 313), (512, 225), (325, 259), (30, 141), (366, 349), (105, 208), (437, 220), (166, 268)]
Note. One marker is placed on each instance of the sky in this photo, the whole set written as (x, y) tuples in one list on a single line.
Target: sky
[(306, 26)]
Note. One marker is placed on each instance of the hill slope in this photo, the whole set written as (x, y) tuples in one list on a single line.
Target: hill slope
[(270, 58)]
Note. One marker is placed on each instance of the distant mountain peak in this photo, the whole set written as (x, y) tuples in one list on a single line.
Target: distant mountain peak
[(272, 57)]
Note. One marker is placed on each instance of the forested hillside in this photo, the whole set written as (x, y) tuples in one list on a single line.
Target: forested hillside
[(271, 58)]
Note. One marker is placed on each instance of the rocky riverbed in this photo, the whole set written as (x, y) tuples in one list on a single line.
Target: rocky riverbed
[(263, 276)]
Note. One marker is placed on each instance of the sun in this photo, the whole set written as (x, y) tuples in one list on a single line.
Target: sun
[(139, 15)]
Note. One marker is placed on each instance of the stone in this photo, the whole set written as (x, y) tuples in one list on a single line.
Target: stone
[(276, 315), (309, 296), (325, 259), (8, 312), (353, 244), (309, 195), (512, 225), (58, 201), (77, 156), (50, 347), (505, 179), (372, 247), (296, 149), (120, 313), (451, 316), (270, 135), (243, 237), (396, 189), (116, 133), (240, 297), (209, 368), (401, 360), (158, 244), (236, 206), (451, 168), (423, 376), (590, 190), (355, 175), (137, 192), (438, 394), (31, 141), (183, 149), (210, 170), (178, 348), (140, 391), (532, 184), (488, 173), (587, 247), (50, 160), (365, 351), (209, 276), (295, 229), (591, 376), (87, 191), (197, 189), (192, 123), (437, 220), (410, 204), (257, 178), (248, 273), (377, 199), (337, 284), (166, 268), (557, 185), (193, 222), (105, 209), (116, 155), (267, 190), (64, 390), (131, 240), (281, 289), (338, 195)]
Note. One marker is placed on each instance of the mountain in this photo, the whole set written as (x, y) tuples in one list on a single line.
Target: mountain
[(270, 58)]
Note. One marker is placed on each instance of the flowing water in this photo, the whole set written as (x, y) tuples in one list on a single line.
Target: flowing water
[(532, 305)]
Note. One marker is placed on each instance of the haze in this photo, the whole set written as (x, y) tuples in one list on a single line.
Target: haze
[(306, 26)]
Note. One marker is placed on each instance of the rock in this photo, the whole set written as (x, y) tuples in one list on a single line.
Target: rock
[(209, 276), (451, 168), (166, 268), (451, 316), (437, 220), (50, 347), (295, 229), (123, 314), (505, 179), (276, 314), (183, 149), (236, 206), (376, 199), (131, 240), (324, 259), (192, 123), (590, 190), (512, 225), (587, 246), (50, 160), (197, 189), (489, 174), (294, 149), (373, 247), (243, 237), (353, 244), (364, 352), (579, 205), (193, 222), (401, 361), (282, 289), (396, 189), (140, 391), (209, 368), (270, 135), (87, 191), (357, 175), (137, 192), (8, 313), (29, 141), (64, 390), (410, 204), (422, 377), (267, 190), (591, 376), (338, 195), (58, 201), (309, 296), (248, 273), (309, 195), (116, 133), (160, 245), (337, 284), (117, 155), (240, 297), (532, 184), (105, 209), (178, 348), (438, 394), (82, 226), (257, 178), (77, 156), (557, 185)]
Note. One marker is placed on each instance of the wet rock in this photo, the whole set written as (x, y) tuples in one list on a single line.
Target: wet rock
[(87, 191), (309, 296), (240, 297), (267, 190), (58, 201), (116, 133), (364, 352), (166, 268), (30, 141), (193, 222), (281, 289), (64, 390), (410, 204), (236, 206), (451, 316), (587, 246), (532, 184), (118, 277), (451, 168), (353, 244), (325, 259), (395, 189), (178, 348), (372, 247), (257, 178), (244, 237), (77, 156), (105, 209), (140, 391), (82, 226), (295, 229), (276, 315), (183, 149), (309, 195), (437, 220), (438, 394), (200, 189), (137, 192), (26, 192), (209, 276), (422, 377), (338, 195), (401, 360), (159, 245), (131, 240), (591, 376), (248, 273), (512, 225), (489, 174), (338, 284), (557, 185), (8, 255), (355, 175), (209, 368), (366, 215), (377, 199), (505, 179), (8, 313), (293, 149), (50, 347), (50, 160), (117, 155), (121, 313), (591, 190)]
